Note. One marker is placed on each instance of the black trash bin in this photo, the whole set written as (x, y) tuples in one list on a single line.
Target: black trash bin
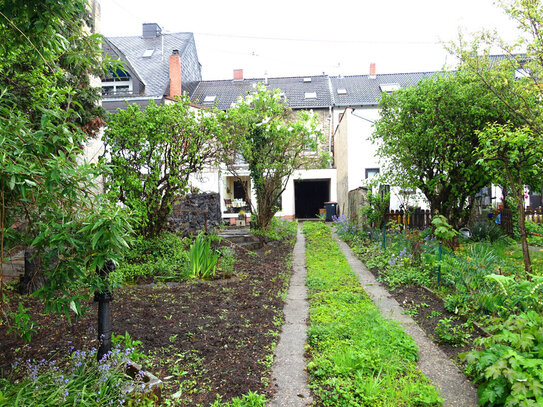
[(331, 210)]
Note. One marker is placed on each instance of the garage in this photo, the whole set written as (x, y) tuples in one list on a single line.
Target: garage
[(310, 196)]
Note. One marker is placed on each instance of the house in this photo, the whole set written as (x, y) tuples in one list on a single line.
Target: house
[(355, 109), (157, 66), (307, 190)]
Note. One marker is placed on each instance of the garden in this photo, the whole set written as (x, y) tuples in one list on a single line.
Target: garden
[(475, 301)]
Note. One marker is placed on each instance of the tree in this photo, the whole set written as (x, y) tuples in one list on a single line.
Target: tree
[(47, 112), (427, 137), (514, 157), (152, 154), (273, 145)]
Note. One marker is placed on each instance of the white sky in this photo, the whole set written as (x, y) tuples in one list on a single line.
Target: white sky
[(291, 38)]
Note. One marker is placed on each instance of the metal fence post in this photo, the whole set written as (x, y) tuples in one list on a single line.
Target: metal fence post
[(439, 252), (104, 315), (384, 238)]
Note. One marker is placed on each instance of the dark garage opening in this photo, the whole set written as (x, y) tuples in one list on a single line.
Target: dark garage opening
[(310, 196)]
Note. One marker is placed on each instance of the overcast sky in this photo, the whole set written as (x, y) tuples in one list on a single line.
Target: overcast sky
[(293, 37)]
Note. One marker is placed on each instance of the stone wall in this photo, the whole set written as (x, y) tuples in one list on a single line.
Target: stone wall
[(189, 213)]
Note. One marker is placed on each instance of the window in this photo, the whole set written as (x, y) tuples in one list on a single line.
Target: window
[(371, 172), (307, 80), (210, 99), (341, 91), (389, 87), (148, 53), (311, 95), (117, 86)]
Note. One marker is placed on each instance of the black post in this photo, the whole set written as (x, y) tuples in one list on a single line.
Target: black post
[(104, 316)]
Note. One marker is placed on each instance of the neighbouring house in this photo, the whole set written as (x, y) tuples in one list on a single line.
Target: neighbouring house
[(307, 190), (355, 109), (157, 66)]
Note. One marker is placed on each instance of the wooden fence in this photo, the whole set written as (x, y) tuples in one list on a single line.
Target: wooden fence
[(417, 219)]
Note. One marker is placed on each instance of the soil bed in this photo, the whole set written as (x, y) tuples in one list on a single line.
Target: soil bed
[(203, 338)]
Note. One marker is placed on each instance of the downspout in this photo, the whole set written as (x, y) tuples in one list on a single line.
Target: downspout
[(331, 117)]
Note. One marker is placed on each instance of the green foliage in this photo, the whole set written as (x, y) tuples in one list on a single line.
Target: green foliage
[(446, 332), (22, 324), (152, 154), (533, 239), (486, 230), (80, 380), (426, 134), (508, 369), (225, 265), (513, 155), (203, 257), (273, 145), (374, 212), (279, 230), (357, 356), (48, 111), (164, 257), (442, 229), (250, 399), (131, 346)]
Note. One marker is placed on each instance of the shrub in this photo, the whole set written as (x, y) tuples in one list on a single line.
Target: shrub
[(202, 257), (279, 230), (509, 368), (159, 258), (486, 230), (446, 332)]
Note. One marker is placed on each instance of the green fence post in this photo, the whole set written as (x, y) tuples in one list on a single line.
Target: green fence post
[(384, 239), (439, 251)]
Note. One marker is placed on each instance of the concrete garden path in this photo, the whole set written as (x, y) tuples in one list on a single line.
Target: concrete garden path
[(452, 384), (289, 375)]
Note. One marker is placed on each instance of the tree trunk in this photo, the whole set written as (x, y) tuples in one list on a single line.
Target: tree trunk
[(523, 235), (33, 278)]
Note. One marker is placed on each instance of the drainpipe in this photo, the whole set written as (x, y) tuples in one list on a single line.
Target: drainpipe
[(330, 134), (103, 297)]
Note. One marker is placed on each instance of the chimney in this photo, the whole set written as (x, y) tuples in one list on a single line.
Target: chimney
[(238, 74), (151, 30), (373, 71), (175, 74)]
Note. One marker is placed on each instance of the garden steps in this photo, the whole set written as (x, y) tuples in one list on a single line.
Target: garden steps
[(289, 375), (241, 237), (453, 386)]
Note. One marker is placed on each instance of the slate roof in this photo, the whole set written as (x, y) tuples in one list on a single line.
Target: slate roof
[(361, 90), (294, 88), (153, 70)]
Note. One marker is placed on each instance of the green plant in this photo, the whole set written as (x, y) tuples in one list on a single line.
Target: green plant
[(22, 324), (357, 357), (130, 346), (152, 153), (202, 257), (446, 332), (486, 230), (508, 369), (250, 399), (442, 229), (225, 265), (79, 380), (279, 230)]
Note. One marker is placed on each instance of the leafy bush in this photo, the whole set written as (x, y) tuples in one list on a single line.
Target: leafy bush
[(531, 228), (358, 358), (247, 400), (486, 230), (344, 228), (160, 258), (446, 332), (509, 368)]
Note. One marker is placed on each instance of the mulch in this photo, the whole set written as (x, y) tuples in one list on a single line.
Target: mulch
[(218, 332)]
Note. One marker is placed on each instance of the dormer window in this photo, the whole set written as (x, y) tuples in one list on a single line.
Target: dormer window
[(210, 99), (342, 91), (390, 87), (310, 95)]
